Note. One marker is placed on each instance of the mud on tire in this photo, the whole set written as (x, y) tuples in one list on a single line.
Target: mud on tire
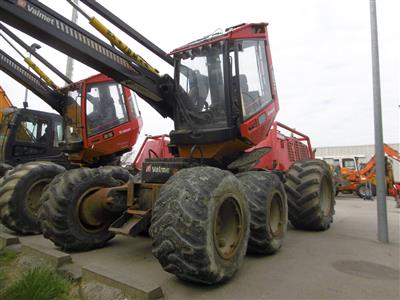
[(20, 195), (61, 213), (4, 168), (200, 225), (268, 208), (311, 198)]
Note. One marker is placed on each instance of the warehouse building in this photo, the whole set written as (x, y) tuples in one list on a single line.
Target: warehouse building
[(363, 150)]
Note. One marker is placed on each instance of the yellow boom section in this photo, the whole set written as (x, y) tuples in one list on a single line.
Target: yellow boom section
[(40, 73), (119, 44)]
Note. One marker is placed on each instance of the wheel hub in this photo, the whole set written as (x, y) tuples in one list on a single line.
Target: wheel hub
[(33, 195), (92, 209), (276, 215), (228, 227), (325, 196)]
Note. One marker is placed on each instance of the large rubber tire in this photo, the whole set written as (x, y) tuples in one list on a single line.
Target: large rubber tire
[(20, 195), (311, 198), (268, 208), (61, 215), (361, 191), (199, 214), (4, 168)]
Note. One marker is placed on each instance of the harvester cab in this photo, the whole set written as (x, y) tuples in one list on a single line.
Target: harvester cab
[(228, 97), (102, 120)]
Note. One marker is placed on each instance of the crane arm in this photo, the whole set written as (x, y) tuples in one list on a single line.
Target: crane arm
[(113, 19), (21, 74), (46, 25), (392, 153), (34, 53)]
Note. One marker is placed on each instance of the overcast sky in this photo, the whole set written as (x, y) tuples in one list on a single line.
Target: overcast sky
[(320, 50)]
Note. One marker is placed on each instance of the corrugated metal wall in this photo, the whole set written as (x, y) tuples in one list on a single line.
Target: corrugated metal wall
[(367, 150)]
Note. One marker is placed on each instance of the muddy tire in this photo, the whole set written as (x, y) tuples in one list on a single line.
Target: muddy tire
[(311, 198), (62, 212), (365, 192), (20, 195), (200, 225), (268, 209), (4, 168)]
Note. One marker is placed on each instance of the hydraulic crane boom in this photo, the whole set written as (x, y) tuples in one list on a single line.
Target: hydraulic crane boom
[(46, 25), (112, 18), (21, 74), (34, 53)]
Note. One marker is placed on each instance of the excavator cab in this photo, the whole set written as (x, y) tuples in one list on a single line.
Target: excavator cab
[(226, 91), (101, 117)]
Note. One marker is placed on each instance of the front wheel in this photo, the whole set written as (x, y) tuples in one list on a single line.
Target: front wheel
[(72, 219), (200, 225)]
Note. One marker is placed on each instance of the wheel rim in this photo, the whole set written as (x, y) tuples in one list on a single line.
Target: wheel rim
[(325, 196), (228, 227), (276, 215), (33, 195)]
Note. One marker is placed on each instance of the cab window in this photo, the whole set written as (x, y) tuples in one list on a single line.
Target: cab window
[(349, 164), (33, 131), (254, 82)]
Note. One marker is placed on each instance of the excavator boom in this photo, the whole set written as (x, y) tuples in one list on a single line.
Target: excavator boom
[(4, 102), (392, 153)]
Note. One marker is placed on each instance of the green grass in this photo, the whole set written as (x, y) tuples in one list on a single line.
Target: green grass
[(40, 283), (2, 277), (7, 255)]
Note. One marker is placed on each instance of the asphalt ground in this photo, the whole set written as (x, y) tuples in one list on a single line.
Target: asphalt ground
[(345, 262)]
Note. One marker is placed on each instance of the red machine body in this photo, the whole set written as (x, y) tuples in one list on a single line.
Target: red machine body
[(152, 147), (285, 150)]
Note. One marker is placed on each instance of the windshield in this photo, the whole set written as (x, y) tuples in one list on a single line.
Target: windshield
[(202, 78), (105, 107)]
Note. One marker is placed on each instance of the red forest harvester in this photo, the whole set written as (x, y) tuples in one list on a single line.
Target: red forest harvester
[(214, 199), (36, 143)]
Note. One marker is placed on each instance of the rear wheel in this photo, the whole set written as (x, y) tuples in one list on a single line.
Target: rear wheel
[(311, 198), (20, 195), (70, 217), (200, 225), (268, 208)]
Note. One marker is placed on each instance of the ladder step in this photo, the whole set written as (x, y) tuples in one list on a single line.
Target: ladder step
[(132, 222), (136, 212)]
